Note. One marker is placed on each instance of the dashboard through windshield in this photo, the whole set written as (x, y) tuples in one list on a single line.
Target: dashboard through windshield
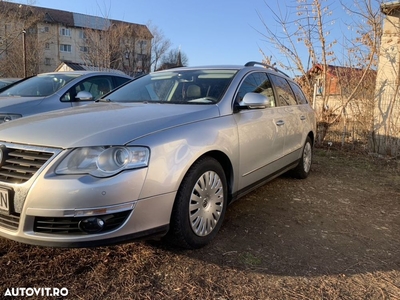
[(176, 87)]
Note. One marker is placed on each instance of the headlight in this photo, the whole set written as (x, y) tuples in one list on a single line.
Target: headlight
[(8, 117), (103, 161)]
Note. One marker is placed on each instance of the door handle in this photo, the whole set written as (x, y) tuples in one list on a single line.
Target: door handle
[(280, 123)]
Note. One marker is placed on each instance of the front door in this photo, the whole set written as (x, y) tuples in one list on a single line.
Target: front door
[(261, 135)]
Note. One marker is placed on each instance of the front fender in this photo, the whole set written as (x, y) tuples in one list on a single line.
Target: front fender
[(174, 151)]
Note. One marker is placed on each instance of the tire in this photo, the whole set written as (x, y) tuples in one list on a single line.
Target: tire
[(304, 167), (200, 205)]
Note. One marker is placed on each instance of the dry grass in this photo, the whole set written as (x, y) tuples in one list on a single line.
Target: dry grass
[(332, 236)]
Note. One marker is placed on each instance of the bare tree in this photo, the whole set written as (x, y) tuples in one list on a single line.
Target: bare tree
[(357, 104), (159, 46), (101, 45), (174, 58), (118, 45), (19, 49), (143, 40), (310, 30), (306, 31), (110, 44)]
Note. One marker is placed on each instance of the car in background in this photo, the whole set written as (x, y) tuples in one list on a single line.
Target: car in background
[(57, 90), (4, 82), (162, 155)]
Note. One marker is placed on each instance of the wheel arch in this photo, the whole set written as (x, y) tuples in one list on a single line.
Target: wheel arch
[(312, 137), (226, 164)]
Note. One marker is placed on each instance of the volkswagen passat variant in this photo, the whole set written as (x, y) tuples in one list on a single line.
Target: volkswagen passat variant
[(163, 155)]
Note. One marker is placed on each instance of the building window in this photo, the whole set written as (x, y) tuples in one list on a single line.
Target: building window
[(46, 29), (47, 46), (47, 61), (140, 57), (65, 48), (84, 49), (65, 32), (142, 44), (82, 34)]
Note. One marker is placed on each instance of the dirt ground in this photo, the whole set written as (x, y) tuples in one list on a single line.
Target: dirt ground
[(334, 235)]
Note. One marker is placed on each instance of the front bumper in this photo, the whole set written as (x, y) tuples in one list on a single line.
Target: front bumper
[(49, 209), (148, 218)]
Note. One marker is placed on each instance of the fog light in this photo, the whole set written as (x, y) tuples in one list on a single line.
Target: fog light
[(91, 225)]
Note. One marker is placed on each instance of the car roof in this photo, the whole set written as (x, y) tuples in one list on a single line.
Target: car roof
[(86, 73), (9, 79), (249, 65), (227, 67)]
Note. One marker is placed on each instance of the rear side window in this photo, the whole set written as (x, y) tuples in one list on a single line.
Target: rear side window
[(120, 81), (284, 92), (300, 97), (98, 86)]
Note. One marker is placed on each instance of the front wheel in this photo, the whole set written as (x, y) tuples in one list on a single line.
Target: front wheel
[(200, 205), (304, 167)]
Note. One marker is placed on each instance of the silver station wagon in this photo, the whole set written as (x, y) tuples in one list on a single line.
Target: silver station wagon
[(57, 90), (163, 155)]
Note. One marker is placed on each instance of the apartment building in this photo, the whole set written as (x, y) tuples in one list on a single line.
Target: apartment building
[(36, 39)]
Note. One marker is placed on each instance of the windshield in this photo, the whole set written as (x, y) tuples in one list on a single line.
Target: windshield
[(39, 86), (180, 86)]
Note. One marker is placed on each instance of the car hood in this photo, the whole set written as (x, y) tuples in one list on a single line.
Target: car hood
[(101, 124), (7, 103)]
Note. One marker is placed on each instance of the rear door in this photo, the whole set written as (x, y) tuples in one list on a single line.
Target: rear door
[(304, 112), (292, 117)]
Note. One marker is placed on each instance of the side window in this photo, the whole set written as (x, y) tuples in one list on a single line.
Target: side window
[(256, 83), (300, 97), (283, 90), (120, 81), (97, 86)]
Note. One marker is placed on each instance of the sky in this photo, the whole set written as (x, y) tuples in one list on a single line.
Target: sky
[(209, 32)]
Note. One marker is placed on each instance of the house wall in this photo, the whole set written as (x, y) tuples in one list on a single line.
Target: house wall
[(48, 39), (333, 86), (386, 130)]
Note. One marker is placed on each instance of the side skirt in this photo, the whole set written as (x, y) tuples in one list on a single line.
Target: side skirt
[(239, 194)]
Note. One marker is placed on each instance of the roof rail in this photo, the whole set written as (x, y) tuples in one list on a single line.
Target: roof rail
[(253, 63)]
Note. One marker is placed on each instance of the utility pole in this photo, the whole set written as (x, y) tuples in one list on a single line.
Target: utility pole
[(24, 50)]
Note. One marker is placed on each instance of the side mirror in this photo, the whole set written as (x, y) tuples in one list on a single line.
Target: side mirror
[(84, 96), (255, 100)]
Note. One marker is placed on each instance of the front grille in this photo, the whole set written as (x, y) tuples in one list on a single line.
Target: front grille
[(9, 221), (70, 225), (20, 165)]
